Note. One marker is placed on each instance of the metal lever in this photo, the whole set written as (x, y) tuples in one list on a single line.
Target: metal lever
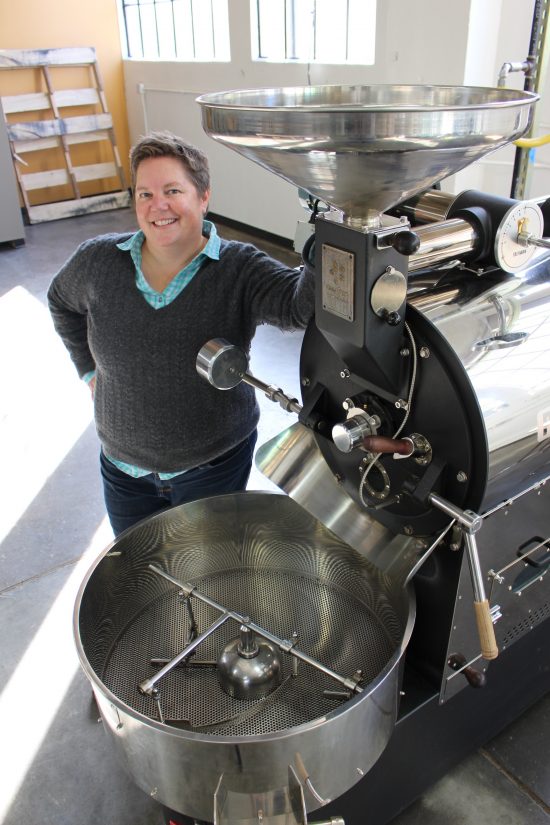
[(475, 678), (224, 365), (528, 239), (472, 522)]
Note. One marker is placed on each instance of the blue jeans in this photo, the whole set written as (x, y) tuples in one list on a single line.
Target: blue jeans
[(129, 500)]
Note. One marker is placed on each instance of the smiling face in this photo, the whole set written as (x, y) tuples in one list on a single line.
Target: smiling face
[(169, 208)]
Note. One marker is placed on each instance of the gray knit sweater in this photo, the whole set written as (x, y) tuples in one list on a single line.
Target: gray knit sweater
[(152, 409)]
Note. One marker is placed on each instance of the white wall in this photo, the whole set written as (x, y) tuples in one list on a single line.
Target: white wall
[(508, 41), (430, 41)]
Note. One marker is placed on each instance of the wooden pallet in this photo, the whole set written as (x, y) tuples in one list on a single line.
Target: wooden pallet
[(54, 134)]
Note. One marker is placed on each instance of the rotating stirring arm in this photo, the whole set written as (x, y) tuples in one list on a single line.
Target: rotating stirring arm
[(147, 686)]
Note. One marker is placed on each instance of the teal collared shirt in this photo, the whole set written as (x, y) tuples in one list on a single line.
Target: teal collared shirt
[(158, 300)]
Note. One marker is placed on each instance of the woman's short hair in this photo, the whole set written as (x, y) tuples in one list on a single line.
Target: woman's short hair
[(166, 144)]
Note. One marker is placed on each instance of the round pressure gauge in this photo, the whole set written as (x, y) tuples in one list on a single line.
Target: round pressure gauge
[(510, 254)]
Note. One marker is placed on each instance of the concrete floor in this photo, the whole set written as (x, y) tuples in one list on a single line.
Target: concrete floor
[(57, 763)]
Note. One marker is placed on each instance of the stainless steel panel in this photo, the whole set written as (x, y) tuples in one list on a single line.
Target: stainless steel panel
[(501, 334), (514, 549)]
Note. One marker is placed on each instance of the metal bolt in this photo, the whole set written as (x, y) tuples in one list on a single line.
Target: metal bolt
[(404, 352), (294, 658), (339, 478), (461, 476), (305, 382), (347, 403), (424, 352), (401, 404), (408, 530), (345, 373)]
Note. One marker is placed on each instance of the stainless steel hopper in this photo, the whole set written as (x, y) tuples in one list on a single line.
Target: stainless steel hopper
[(364, 149)]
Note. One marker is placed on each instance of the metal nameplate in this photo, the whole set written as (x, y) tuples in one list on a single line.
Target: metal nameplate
[(338, 281)]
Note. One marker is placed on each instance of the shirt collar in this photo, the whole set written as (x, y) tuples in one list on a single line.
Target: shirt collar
[(212, 249)]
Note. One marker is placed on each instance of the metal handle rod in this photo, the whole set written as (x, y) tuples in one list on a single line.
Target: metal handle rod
[(475, 567), (147, 686), (472, 522), (283, 644), (484, 619), (272, 392), (466, 518), (526, 239)]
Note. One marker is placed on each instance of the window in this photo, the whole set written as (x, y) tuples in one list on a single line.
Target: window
[(314, 31), (176, 29)]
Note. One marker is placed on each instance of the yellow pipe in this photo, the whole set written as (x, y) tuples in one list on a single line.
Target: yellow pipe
[(531, 143)]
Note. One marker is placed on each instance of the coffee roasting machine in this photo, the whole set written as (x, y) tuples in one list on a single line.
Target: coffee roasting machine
[(329, 653)]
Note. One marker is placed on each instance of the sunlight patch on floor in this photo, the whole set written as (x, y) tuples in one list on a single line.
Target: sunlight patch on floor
[(34, 695), (44, 407)]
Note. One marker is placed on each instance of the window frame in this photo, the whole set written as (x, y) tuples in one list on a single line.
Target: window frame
[(287, 13), (133, 42)]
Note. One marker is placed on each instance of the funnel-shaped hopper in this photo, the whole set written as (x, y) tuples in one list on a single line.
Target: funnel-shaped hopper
[(364, 149)]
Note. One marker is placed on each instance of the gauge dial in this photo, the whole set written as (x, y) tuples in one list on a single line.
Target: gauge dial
[(510, 255)]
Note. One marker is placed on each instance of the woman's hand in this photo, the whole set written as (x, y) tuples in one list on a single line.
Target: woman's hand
[(91, 385)]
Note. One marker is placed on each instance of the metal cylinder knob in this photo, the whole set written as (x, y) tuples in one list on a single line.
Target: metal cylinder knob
[(222, 364), (350, 433)]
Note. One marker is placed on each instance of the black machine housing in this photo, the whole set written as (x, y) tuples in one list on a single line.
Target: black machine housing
[(453, 700)]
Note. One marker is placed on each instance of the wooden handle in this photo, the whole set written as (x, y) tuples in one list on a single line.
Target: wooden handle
[(487, 640), (383, 444)]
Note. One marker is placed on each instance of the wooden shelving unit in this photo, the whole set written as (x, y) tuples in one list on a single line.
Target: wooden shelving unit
[(57, 136)]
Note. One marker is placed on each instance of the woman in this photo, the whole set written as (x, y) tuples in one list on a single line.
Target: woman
[(134, 311)]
